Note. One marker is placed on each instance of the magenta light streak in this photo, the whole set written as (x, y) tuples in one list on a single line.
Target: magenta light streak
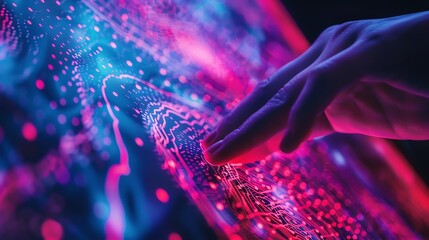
[(115, 224), (115, 221)]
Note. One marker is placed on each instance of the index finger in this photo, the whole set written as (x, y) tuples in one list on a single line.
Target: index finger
[(263, 92)]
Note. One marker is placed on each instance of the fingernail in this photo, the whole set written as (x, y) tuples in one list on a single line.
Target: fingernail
[(210, 153)]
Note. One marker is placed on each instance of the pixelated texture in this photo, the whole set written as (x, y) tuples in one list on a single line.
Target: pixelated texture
[(103, 105)]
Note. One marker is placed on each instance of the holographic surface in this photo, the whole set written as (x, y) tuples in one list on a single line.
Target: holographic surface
[(103, 105)]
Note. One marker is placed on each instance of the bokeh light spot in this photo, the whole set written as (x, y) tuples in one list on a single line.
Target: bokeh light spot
[(40, 84), (139, 141), (174, 236), (29, 132), (162, 195), (52, 230)]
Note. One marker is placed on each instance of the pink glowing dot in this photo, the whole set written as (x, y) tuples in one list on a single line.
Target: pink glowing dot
[(174, 236), (337, 206), (194, 96), (206, 98), (235, 237), (162, 195), (113, 45), (29, 132), (182, 79), (52, 230), (97, 29), (29, 22), (138, 141), (220, 206), (124, 17), (40, 84), (218, 109), (129, 63), (138, 87), (163, 71), (167, 83), (212, 185), (63, 102), (171, 164), (50, 67)]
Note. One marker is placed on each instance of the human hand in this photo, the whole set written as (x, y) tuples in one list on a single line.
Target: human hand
[(368, 77)]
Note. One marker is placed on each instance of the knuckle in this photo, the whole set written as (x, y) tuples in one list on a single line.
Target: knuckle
[(326, 34), (263, 85), (280, 97), (376, 38), (374, 34), (265, 88), (233, 135), (346, 26), (347, 31), (236, 132), (330, 30)]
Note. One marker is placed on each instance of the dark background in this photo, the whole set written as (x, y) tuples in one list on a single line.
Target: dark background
[(313, 16)]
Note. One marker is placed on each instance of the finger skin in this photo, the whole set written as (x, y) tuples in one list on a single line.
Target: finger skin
[(257, 153), (307, 95), (379, 49), (261, 151), (262, 93), (261, 126), (325, 82), (265, 90), (236, 135)]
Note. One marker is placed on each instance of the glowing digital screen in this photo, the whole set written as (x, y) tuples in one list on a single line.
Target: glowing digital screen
[(103, 105)]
